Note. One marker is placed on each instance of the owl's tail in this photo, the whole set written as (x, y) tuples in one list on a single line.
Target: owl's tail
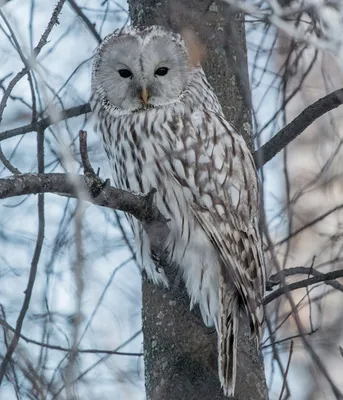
[(227, 343)]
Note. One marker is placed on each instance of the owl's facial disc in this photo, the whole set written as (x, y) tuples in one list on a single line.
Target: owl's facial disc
[(136, 73)]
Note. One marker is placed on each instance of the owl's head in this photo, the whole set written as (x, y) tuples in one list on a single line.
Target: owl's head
[(140, 68)]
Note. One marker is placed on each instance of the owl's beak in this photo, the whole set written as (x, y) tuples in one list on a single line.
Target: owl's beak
[(144, 96)]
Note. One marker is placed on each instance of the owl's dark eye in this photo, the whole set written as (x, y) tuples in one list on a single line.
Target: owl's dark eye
[(125, 73), (161, 71)]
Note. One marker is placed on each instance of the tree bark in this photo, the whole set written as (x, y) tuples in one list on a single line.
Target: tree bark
[(180, 352)]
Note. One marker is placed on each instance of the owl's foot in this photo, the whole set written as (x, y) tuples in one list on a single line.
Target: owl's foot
[(150, 196)]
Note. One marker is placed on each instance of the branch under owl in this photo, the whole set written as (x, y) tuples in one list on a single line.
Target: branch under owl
[(94, 190)]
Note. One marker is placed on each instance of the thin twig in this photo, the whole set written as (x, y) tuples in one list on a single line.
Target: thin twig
[(9, 89), (15, 40), (43, 40), (329, 276), (52, 22), (29, 289), (78, 273), (7, 326), (101, 360), (46, 122), (85, 19), (277, 342), (277, 278), (287, 369), (306, 343), (87, 167), (308, 225), (7, 163)]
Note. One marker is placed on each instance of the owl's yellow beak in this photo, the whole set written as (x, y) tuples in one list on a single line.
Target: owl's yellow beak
[(144, 96)]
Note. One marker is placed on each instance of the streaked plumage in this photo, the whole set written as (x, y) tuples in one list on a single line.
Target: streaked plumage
[(179, 142)]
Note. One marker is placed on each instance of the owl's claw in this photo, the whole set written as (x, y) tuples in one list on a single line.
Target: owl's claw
[(158, 269), (149, 200), (106, 183), (97, 185), (150, 196)]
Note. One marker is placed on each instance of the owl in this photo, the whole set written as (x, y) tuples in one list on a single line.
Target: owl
[(162, 127)]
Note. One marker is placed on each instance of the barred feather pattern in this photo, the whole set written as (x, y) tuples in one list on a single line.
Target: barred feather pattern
[(207, 185)]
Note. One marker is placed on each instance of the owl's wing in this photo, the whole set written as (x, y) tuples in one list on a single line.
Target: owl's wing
[(214, 163)]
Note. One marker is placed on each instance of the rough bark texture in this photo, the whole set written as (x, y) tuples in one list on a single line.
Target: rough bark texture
[(180, 353)]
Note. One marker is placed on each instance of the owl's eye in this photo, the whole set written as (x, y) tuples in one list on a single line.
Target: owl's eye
[(125, 73), (161, 71)]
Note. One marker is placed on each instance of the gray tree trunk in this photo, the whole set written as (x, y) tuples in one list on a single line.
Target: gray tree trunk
[(180, 352)]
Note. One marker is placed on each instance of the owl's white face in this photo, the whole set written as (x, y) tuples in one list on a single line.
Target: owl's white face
[(140, 70)]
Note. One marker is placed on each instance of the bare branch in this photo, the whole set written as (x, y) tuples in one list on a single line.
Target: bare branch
[(277, 342), (42, 42), (7, 326), (287, 369), (52, 22), (87, 167), (329, 276), (9, 89), (29, 288), (46, 122), (101, 194), (84, 18), (7, 163), (309, 224), (280, 276), (297, 126)]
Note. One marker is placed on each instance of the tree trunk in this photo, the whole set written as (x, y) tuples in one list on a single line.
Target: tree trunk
[(180, 352)]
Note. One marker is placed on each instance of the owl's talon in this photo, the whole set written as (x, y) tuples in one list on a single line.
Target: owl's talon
[(150, 196), (106, 183)]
